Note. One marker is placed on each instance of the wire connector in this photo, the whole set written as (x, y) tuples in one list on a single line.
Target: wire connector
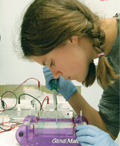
[(18, 107), (3, 104)]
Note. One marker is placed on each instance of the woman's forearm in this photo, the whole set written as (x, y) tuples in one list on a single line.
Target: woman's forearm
[(79, 103)]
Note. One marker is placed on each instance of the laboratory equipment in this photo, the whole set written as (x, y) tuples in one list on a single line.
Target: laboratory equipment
[(45, 130), (54, 84), (52, 127)]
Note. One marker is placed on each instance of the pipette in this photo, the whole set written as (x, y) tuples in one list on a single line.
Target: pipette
[(54, 84)]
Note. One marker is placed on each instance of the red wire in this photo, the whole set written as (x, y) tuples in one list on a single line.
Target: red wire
[(74, 125), (18, 88), (22, 84), (33, 129), (9, 128), (3, 123), (43, 102)]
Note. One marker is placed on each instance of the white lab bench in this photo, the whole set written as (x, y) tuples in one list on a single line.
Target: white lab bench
[(8, 138)]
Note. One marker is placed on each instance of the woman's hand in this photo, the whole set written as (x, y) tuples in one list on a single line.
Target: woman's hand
[(66, 87), (89, 135)]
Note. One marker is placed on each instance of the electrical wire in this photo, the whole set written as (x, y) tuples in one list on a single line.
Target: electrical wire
[(43, 102), (30, 96), (5, 106), (5, 130), (16, 124), (4, 102), (23, 83)]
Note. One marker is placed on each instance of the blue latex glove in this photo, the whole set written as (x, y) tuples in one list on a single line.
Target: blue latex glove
[(66, 87), (89, 135)]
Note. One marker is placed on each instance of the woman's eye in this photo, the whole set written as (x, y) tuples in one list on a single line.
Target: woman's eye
[(51, 64)]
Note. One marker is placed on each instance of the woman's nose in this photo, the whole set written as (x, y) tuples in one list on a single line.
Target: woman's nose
[(56, 73)]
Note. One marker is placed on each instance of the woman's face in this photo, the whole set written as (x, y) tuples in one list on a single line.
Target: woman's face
[(71, 61)]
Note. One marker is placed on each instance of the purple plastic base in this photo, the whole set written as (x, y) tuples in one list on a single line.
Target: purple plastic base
[(26, 135)]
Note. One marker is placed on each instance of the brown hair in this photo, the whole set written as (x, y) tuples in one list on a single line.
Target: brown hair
[(49, 23)]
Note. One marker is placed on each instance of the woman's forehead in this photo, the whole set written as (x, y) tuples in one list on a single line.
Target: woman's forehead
[(40, 59)]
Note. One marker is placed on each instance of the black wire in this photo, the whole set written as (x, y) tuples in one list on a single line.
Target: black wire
[(10, 128), (3, 100), (6, 129), (30, 96)]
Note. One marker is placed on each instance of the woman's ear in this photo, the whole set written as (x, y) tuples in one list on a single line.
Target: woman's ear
[(74, 40)]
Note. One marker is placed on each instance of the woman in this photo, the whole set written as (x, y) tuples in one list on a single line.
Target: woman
[(66, 36)]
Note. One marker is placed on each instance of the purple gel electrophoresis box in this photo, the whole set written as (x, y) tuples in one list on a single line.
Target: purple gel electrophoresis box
[(33, 135)]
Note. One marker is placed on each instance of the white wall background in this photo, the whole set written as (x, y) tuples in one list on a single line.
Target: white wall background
[(13, 69)]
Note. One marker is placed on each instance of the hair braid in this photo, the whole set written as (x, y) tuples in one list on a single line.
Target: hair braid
[(105, 73), (97, 38)]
